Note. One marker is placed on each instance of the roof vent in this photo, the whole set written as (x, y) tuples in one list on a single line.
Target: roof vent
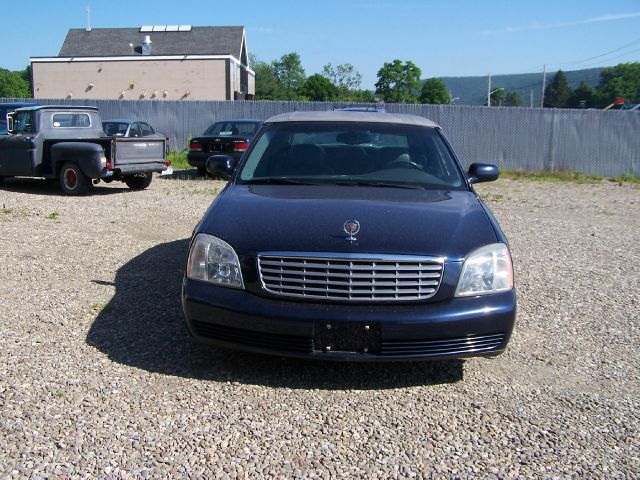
[(146, 45)]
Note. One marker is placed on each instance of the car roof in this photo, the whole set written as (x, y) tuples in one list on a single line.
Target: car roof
[(122, 120), (240, 120), (59, 107), (17, 104), (353, 116)]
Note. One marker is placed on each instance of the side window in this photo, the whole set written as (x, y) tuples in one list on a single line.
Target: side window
[(146, 129), (23, 123), (134, 131)]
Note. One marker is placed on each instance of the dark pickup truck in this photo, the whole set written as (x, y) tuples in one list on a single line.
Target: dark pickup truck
[(224, 143), (68, 143)]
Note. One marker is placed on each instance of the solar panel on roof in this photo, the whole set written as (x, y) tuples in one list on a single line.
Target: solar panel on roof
[(172, 28), (146, 28), (184, 28), (159, 28)]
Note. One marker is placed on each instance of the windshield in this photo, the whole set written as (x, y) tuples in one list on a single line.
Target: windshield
[(115, 128), (349, 153), (227, 129)]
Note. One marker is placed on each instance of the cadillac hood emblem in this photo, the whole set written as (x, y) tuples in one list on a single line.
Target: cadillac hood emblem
[(351, 228)]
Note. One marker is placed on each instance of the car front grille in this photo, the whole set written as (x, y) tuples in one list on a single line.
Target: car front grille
[(350, 277)]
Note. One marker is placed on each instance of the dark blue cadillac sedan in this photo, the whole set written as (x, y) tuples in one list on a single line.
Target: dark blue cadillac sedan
[(351, 236)]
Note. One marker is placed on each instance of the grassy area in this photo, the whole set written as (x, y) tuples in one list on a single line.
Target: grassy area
[(565, 176), (179, 160)]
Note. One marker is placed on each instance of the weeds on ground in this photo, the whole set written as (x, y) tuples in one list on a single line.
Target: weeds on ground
[(626, 178), (179, 160), (53, 215), (546, 176)]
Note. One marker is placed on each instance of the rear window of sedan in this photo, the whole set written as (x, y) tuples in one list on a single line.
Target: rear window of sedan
[(226, 129), (353, 153)]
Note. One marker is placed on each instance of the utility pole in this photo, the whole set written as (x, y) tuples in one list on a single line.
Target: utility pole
[(544, 82), (531, 100), (489, 91)]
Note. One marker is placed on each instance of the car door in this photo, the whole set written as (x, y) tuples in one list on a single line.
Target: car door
[(17, 151)]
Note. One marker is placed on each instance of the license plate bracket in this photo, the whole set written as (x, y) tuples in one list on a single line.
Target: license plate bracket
[(347, 336)]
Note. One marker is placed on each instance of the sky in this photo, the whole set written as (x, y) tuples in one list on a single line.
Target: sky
[(444, 38)]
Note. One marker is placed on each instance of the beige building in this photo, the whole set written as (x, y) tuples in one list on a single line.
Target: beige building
[(172, 62)]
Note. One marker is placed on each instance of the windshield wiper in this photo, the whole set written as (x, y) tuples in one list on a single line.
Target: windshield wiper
[(373, 183)]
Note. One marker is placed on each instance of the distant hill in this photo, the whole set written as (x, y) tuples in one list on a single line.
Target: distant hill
[(473, 90)]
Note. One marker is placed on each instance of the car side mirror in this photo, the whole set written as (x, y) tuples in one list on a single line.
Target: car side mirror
[(482, 172), (221, 165), (10, 123)]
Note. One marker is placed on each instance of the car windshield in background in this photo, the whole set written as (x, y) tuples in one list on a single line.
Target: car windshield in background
[(349, 153), (115, 128), (228, 129)]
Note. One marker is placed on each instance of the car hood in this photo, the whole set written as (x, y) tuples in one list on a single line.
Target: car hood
[(261, 218)]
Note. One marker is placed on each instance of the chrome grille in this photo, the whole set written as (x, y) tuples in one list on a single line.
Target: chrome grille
[(350, 277)]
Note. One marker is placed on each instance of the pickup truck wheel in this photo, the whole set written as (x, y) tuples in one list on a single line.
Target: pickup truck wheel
[(72, 180), (138, 182)]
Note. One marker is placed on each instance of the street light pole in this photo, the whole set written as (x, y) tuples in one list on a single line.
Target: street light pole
[(489, 91)]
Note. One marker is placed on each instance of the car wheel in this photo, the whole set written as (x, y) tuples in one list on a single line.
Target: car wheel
[(138, 182), (72, 180)]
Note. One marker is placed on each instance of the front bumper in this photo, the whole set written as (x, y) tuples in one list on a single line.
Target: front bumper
[(455, 328)]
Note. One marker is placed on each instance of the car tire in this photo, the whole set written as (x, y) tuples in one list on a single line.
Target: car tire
[(202, 171), (139, 182), (72, 180)]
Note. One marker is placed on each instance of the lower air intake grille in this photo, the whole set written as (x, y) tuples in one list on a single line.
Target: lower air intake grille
[(470, 344), (251, 338)]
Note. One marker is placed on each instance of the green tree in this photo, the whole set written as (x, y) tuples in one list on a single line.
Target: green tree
[(623, 80), (267, 85), (359, 96), (497, 97), (398, 82), (582, 93), (13, 85), (290, 75), (513, 99), (344, 76), (557, 93), (319, 89), (434, 91)]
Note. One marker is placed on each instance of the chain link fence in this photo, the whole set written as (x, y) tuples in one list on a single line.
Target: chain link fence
[(587, 141)]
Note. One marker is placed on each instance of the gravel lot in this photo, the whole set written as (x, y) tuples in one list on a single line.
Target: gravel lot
[(98, 377)]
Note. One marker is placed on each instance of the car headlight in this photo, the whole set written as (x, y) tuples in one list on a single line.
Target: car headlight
[(214, 260), (486, 270)]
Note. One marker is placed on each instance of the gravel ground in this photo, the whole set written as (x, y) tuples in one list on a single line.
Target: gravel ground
[(98, 377)]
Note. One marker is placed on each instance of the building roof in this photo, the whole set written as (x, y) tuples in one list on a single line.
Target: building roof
[(112, 42), (351, 116)]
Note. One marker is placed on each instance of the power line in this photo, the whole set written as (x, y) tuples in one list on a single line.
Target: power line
[(601, 55), (585, 60)]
